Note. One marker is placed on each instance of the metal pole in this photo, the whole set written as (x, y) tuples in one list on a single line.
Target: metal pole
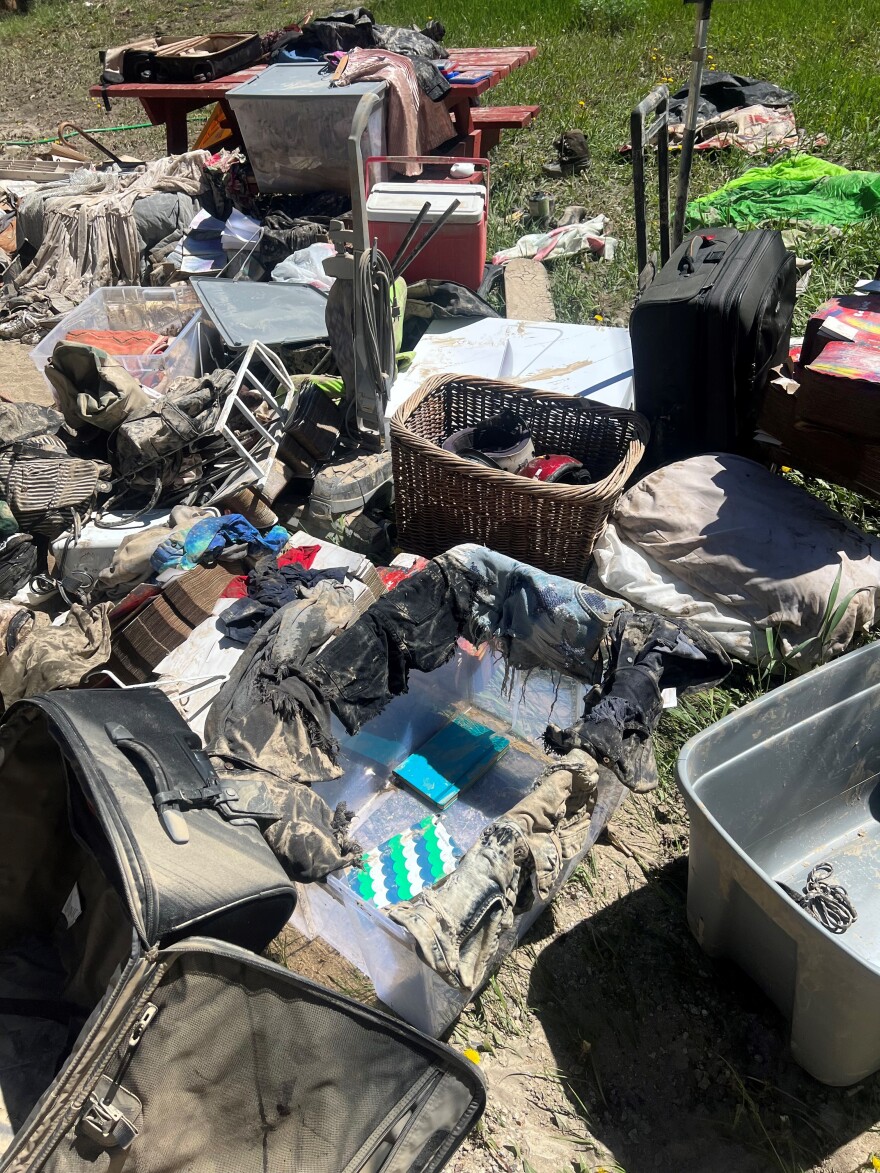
[(698, 61)]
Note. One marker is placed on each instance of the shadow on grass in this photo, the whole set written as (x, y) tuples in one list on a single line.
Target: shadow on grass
[(678, 1062)]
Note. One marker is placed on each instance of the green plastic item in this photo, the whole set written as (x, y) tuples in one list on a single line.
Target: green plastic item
[(800, 189)]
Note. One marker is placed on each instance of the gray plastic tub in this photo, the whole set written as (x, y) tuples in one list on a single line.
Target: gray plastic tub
[(782, 784)]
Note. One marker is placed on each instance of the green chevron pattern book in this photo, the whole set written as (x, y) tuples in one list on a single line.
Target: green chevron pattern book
[(451, 760), (405, 864)]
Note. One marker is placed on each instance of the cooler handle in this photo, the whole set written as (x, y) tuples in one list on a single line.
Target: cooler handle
[(434, 160)]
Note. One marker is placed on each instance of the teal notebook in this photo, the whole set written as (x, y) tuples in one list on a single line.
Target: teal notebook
[(451, 760)]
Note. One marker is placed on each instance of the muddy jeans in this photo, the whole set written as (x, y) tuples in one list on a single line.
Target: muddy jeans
[(465, 925), (538, 620), (266, 724)]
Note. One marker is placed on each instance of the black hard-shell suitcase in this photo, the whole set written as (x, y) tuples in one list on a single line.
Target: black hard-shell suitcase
[(705, 335), (127, 1044), (193, 59)]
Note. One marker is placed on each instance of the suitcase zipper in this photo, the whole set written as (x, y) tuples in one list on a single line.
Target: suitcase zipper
[(101, 1121), (410, 1115)]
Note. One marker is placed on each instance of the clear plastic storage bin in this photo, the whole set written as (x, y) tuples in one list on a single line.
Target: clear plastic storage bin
[(176, 312), (471, 682)]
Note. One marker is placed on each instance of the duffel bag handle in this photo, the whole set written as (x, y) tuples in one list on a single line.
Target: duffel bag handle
[(170, 817)]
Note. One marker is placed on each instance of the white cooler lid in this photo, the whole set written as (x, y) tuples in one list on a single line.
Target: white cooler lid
[(401, 202)]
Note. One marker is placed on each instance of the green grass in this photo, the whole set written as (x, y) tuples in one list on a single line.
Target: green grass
[(590, 72)]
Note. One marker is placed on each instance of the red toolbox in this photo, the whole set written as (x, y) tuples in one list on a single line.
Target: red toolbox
[(458, 251)]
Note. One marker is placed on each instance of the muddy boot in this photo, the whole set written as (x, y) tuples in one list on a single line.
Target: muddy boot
[(574, 214), (573, 155)]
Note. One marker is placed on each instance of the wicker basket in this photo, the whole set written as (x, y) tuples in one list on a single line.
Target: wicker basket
[(443, 499)]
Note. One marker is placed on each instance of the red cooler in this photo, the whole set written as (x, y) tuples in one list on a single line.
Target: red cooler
[(458, 251)]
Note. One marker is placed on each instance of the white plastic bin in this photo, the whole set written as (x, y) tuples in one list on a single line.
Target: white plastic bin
[(363, 934), (174, 312)]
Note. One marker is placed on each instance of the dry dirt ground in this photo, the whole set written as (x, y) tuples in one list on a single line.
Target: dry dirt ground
[(608, 1040), (19, 378)]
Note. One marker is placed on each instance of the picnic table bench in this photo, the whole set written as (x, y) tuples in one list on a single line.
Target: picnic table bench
[(169, 104)]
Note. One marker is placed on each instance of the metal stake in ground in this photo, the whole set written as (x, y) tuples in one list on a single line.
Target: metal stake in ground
[(698, 62)]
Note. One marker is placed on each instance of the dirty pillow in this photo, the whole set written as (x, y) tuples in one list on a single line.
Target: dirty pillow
[(758, 546)]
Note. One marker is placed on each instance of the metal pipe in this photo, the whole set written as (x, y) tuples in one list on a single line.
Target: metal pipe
[(698, 61), (413, 229)]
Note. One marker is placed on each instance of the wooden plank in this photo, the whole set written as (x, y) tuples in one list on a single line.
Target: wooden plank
[(512, 117), (527, 291)]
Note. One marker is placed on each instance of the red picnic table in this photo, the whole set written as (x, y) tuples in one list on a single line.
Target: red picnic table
[(169, 104)]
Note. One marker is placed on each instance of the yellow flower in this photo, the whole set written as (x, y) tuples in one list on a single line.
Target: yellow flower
[(470, 1053), (709, 57), (875, 1161), (598, 318), (582, 103)]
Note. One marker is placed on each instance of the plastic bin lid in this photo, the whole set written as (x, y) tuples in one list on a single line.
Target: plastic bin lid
[(401, 202), (301, 81), (273, 312)]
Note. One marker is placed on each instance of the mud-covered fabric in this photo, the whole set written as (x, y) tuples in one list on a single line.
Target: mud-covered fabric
[(188, 410), (283, 235), (91, 387), (57, 656), (539, 620), (355, 28), (466, 923), (18, 563), (416, 626), (44, 485), (648, 653), (269, 588), (753, 543), (269, 719), (727, 91)]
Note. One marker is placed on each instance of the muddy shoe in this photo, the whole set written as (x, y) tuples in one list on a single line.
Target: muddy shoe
[(574, 214), (351, 482), (572, 153)]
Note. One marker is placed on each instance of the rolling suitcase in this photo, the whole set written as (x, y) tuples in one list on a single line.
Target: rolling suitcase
[(129, 1038), (705, 335)]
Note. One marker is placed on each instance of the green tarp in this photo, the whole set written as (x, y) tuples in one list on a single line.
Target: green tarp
[(799, 189)]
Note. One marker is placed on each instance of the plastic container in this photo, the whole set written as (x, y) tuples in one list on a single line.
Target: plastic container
[(457, 252), (122, 307), (471, 682), (786, 782), (93, 550), (295, 127)]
